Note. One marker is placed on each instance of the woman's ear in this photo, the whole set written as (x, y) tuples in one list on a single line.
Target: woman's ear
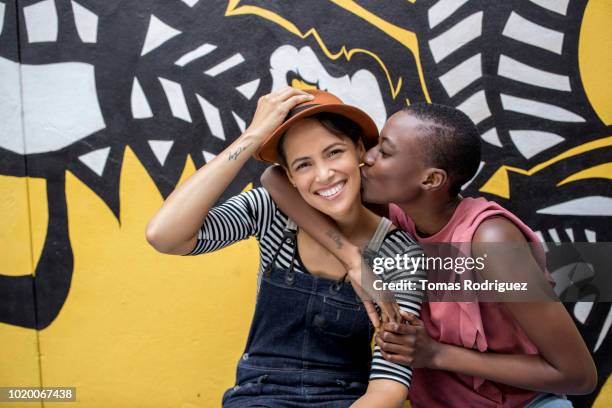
[(361, 151), (434, 178)]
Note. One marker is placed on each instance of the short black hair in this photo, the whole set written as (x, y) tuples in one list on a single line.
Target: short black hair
[(337, 124), (451, 141)]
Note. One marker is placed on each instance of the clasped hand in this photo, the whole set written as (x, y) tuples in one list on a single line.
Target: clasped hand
[(408, 342)]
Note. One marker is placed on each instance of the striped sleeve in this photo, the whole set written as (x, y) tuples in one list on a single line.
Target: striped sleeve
[(399, 243), (240, 217)]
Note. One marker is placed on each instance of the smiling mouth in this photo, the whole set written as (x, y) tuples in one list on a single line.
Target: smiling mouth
[(331, 192)]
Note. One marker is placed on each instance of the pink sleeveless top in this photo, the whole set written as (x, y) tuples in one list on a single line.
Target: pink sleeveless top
[(485, 326)]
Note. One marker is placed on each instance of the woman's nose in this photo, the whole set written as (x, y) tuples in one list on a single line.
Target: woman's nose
[(370, 156), (324, 173)]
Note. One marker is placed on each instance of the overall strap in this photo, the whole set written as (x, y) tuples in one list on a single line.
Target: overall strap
[(379, 236), (290, 225), (289, 237), (371, 250)]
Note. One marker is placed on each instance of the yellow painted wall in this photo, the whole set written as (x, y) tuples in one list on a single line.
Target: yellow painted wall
[(138, 328)]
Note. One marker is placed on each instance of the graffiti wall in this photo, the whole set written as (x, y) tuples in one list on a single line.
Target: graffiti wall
[(107, 105)]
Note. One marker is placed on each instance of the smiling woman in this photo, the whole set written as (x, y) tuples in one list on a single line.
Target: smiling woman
[(310, 339), (329, 179)]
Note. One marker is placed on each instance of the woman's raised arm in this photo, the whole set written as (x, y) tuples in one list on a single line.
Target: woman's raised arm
[(173, 229)]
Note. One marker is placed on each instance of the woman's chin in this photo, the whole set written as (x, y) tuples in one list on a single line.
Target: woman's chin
[(337, 209)]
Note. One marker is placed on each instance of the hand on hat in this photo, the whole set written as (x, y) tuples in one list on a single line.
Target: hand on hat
[(272, 109)]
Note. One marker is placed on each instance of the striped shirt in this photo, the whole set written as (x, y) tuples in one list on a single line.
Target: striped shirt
[(254, 213)]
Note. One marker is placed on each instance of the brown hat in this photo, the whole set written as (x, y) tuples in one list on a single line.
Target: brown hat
[(322, 102)]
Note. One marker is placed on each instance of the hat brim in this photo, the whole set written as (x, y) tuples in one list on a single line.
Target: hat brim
[(267, 151)]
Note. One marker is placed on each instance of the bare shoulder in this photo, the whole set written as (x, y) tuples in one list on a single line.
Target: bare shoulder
[(498, 229)]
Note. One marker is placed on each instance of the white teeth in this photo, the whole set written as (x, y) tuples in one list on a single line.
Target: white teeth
[(330, 192)]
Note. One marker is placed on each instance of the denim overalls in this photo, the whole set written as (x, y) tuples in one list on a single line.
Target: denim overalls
[(309, 342)]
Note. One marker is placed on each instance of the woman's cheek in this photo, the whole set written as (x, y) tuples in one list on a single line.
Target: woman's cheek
[(302, 185)]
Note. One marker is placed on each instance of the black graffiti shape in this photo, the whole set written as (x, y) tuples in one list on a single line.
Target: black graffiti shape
[(35, 301)]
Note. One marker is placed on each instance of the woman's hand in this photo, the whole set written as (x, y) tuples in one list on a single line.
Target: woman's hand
[(362, 280), (272, 109), (408, 343)]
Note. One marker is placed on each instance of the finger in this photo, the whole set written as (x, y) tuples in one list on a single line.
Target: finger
[(288, 92), (406, 340), (407, 315), (397, 311), (372, 313), (384, 317), (399, 328), (280, 91), (294, 100), (393, 348), (278, 95), (389, 310), (411, 318), (397, 358)]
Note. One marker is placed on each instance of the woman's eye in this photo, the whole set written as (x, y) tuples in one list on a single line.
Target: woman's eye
[(301, 166), (335, 152), (383, 153)]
